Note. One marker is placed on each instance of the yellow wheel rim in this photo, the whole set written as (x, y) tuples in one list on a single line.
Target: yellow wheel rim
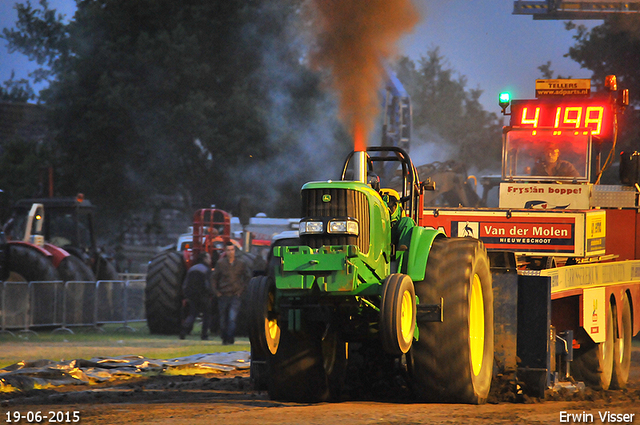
[(406, 317), (271, 327), (476, 325)]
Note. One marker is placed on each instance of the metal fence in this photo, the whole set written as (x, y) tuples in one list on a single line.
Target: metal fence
[(61, 306)]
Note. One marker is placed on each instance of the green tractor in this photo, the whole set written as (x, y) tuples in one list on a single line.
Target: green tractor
[(366, 284)]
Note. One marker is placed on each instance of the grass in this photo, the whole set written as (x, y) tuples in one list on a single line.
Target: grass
[(110, 341)]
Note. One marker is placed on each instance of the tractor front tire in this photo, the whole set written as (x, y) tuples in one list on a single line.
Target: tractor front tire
[(452, 361), (163, 293), (264, 332), (297, 371), (397, 314), (334, 361)]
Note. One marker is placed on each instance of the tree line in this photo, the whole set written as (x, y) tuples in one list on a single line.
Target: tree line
[(213, 100)]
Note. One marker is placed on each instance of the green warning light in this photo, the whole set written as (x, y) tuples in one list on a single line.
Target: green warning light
[(504, 100)]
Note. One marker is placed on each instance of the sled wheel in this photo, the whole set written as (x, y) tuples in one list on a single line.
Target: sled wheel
[(452, 361), (593, 363), (622, 349), (397, 314), (296, 371)]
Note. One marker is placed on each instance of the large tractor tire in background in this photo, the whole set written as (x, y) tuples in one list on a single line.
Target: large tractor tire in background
[(622, 348), (593, 363), (452, 361), (163, 293), (27, 264)]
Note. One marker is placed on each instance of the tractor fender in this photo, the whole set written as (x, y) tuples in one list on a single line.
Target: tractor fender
[(58, 254), (414, 261), (53, 254)]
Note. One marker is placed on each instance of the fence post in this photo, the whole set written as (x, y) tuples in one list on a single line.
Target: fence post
[(95, 307), (3, 306), (64, 327), (125, 296), (28, 318)]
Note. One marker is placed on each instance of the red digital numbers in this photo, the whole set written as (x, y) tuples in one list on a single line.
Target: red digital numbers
[(535, 114)]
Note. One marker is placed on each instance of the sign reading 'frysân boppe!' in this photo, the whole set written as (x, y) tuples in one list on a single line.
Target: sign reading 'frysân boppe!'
[(544, 196)]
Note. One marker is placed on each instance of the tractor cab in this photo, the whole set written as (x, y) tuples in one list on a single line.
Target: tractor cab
[(66, 221), (211, 231), (557, 147), (547, 155)]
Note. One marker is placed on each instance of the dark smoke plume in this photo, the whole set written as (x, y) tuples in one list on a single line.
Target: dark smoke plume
[(353, 40)]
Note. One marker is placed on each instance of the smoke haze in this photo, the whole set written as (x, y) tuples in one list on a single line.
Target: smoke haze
[(353, 39)]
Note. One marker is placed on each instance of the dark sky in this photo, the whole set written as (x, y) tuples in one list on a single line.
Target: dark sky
[(481, 40), (496, 50)]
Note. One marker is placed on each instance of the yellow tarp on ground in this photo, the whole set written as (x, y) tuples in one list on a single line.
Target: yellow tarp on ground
[(24, 376)]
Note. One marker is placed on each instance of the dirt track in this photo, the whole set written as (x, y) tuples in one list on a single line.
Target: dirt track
[(228, 399)]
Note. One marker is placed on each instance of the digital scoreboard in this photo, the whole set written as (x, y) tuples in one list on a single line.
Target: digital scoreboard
[(564, 114)]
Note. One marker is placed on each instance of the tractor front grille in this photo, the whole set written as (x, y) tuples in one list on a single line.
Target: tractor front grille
[(343, 203)]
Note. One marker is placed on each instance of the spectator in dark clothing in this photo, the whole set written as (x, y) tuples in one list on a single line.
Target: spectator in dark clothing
[(230, 278), (199, 294)]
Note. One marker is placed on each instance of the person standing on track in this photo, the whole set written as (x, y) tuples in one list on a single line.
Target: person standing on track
[(230, 279), (199, 294)]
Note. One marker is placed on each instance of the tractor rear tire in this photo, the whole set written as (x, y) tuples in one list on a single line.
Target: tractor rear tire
[(296, 371), (104, 269), (397, 314), (452, 361), (81, 301), (163, 293), (27, 264), (622, 349), (593, 363), (72, 268)]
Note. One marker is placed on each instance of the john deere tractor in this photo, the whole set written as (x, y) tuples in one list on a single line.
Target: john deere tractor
[(366, 281)]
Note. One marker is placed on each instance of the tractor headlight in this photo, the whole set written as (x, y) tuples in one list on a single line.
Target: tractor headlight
[(311, 227), (348, 227)]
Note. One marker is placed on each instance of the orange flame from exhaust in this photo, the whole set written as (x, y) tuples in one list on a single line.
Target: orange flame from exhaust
[(354, 39), (359, 139)]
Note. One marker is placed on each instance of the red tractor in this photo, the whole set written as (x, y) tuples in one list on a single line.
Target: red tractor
[(163, 302), (52, 239)]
